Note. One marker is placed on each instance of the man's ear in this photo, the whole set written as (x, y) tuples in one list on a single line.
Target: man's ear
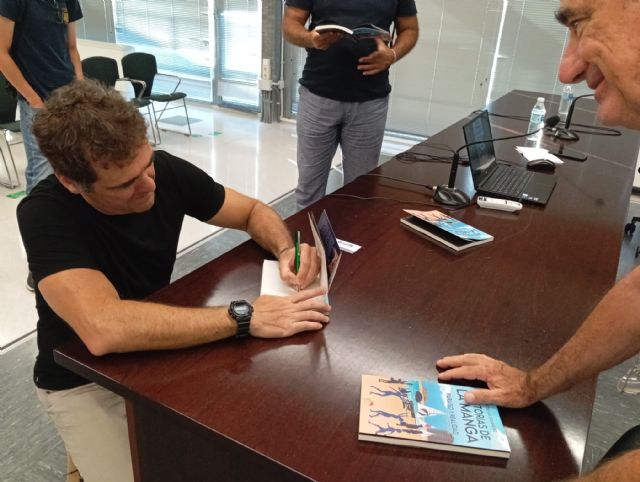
[(72, 186)]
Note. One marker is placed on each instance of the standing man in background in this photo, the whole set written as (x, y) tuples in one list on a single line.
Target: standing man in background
[(38, 54), (344, 89)]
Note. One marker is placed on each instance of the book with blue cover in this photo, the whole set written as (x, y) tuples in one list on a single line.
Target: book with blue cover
[(424, 413), (450, 233)]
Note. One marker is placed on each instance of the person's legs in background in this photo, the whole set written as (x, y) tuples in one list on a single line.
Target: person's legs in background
[(318, 128), (93, 425), (38, 166), (362, 136)]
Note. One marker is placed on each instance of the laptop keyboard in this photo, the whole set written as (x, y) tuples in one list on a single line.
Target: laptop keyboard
[(507, 181)]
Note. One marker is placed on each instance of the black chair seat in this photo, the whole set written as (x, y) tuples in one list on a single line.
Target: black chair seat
[(167, 97), (11, 126), (140, 102)]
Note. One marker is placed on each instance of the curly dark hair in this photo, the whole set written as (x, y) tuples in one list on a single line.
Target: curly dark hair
[(85, 124)]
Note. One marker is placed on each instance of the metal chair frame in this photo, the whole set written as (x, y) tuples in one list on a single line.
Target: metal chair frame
[(143, 65)]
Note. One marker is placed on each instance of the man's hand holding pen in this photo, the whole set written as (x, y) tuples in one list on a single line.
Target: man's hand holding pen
[(299, 267)]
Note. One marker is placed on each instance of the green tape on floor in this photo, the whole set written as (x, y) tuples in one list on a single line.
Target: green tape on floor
[(215, 133), (17, 195)]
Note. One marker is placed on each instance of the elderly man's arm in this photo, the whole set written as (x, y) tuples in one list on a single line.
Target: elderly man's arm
[(609, 335), (621, 469)]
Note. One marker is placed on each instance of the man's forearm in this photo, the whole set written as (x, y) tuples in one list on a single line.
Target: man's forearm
[(74, 55), (621, 469), (407, 36), (609, 335), (296, 33), (13, 74), (267, 229), (124, 326)]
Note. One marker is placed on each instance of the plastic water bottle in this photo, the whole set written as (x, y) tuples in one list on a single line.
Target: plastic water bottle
[(536, 121), (565, 102)]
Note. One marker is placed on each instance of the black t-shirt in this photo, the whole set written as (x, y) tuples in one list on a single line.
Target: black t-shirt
[(39, 46), (333, 73), (136, 252)]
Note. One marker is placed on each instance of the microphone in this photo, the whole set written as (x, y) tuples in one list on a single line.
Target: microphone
[(449, 195), (564, 133)]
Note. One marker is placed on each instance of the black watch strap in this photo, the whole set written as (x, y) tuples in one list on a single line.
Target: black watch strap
[(241, 311)]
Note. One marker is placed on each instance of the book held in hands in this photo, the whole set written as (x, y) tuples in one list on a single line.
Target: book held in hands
[(358, 33), (423, 413), (448, 232)]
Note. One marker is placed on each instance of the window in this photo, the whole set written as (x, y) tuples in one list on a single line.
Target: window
[(176, 32)]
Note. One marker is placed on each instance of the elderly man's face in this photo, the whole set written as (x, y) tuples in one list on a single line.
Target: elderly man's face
[(604, 50)]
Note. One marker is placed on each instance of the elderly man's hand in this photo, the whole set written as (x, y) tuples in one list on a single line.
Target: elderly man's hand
[(507, 386)]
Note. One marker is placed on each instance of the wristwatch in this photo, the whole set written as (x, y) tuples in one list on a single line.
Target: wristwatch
[(241, 310)]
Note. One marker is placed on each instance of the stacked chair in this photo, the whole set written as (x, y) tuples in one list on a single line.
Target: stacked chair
[(143, 66), (105, 70)]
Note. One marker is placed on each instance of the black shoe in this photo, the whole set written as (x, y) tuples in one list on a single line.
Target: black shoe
[(30, 285)]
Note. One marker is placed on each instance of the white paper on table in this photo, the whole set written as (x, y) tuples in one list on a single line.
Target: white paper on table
[(273, 285), (533, 153)]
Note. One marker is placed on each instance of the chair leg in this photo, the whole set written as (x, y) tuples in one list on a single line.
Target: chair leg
[(10, 183), (164, 108), (184, 102), (155, 120), (153, 127)]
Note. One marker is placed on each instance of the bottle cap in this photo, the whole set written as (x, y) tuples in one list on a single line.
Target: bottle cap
[(540, 99)]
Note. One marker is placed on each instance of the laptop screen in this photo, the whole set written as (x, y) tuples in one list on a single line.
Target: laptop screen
[(481, 156)]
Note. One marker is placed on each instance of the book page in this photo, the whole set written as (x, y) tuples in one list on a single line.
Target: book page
[(273, 285)]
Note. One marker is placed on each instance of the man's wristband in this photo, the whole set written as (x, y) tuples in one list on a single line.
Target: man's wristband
[(395, 56), (283, 250)]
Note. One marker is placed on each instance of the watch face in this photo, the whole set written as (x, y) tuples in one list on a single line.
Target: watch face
[(242, 309)]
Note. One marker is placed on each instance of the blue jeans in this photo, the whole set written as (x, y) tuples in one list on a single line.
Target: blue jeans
[(323, 124), (38, 166)]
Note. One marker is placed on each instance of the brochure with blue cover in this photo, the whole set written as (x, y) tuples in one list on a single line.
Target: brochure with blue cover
[(444, 230), (424, 413)]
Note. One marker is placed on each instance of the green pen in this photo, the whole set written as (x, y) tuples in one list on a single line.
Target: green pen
[(297, 255)]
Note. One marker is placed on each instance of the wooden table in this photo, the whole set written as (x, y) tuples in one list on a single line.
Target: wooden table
[(288, 409)]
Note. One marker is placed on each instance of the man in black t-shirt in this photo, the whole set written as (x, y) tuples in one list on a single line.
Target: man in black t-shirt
[(344, 88), (102, 233)]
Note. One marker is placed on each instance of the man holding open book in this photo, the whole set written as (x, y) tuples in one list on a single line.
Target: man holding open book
[(604, 41), (344, 89)]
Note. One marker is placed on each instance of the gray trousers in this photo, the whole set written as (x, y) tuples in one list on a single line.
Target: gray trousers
[(323, 124)]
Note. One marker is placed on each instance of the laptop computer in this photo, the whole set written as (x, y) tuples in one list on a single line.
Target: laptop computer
[(501, 180)]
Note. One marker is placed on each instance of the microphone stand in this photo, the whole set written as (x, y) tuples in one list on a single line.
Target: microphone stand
[(448, 194), (566, 134)]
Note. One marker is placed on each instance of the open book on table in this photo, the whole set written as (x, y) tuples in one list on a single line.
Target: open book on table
[(328, 251)]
